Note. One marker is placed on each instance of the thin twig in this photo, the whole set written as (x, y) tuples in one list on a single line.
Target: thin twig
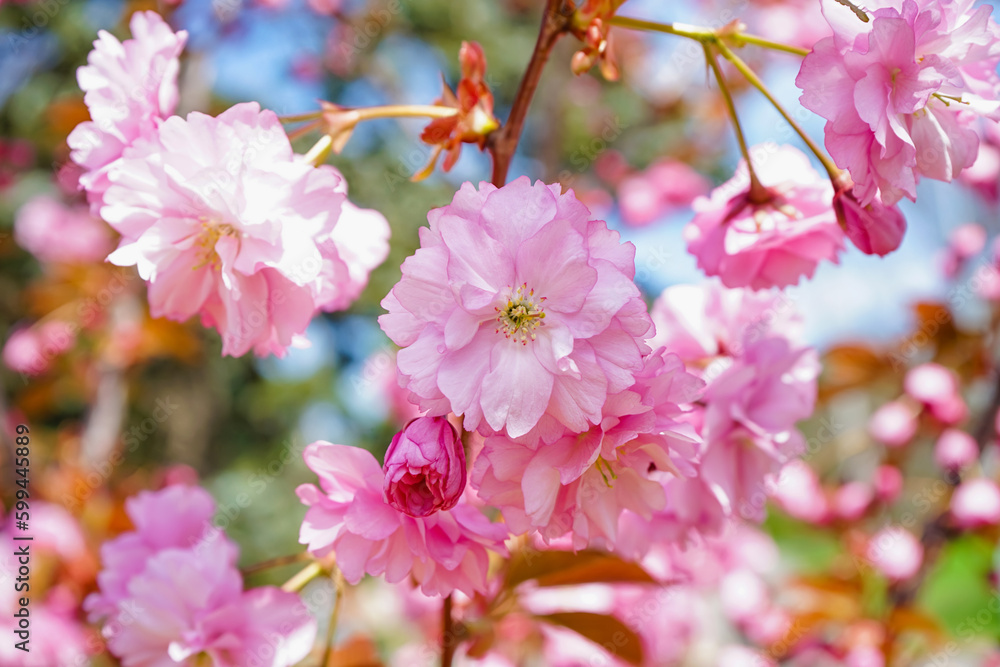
[(503, 143), (448, 640), (280, 561)]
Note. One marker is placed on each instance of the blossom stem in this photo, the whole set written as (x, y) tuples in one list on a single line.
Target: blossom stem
[(448, 641), (757, 191), (280, 561), (303, 577), (705, 35), (338, 583), (503, 142), (298, 118), (405, 111), (317, 154), (754, 80)]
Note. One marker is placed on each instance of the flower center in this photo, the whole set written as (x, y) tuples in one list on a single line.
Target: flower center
[(211, 233), (522, 314)]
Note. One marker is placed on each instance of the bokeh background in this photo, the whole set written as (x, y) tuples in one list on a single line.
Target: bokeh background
[(239, 425)]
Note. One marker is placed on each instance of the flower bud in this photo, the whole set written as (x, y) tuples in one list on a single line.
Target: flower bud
[(976, 503), (876, 229), (424, 467)]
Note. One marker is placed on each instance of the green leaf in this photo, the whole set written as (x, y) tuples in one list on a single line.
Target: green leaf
[(606, 631)]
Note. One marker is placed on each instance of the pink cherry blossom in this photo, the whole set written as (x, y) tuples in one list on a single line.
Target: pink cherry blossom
[(798, 491), (55, 232), (360, 240), (348, 514), (894, 424), (955, 450), (176, 517), (31, 350), (899, 92), (517, 312), (769, 238), (424, 467), (976, 503), (750, 413), (874, 229), (895, 552), (965, 242), (701, 323), (937, 388), (888, 483), (129, 88), (224, 222), (188, 607), (852, 500), (660, 189), (582, 483), (760, 383)]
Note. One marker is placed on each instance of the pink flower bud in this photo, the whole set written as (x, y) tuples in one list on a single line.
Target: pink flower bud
[(424, 467), (800, 494), (876, 229), (931, 383), (893, 424), (976, 503), (852, 499), (954, 450), (888, 483), (896, 553)]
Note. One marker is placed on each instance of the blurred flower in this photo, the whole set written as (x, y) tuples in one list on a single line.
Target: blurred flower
[(176, 517), (900, 91), (424, 467), (16, 157), (895, 552), (965, 242), (240, 232), (657, 191), (937, 388), (894, 424), (852, 500), (955, 450), (130, 87), (760, 383), (769, 238), (188, 607), (799, 493), (517, 312), (349, 515), (976, 503), (888, 483), (30, 350), (55, 232)]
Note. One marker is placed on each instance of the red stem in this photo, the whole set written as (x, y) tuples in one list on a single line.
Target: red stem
[(503, 142)]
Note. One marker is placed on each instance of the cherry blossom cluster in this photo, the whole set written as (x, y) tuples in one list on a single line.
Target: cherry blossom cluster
[(171, 588), (588, 421), (218, 214)]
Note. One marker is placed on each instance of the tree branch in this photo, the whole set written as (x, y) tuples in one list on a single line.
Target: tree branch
[(503, 143)]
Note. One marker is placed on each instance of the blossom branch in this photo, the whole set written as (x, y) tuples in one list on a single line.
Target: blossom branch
[(706, 35), (503, 143), (448, 643), (757, 83), (757, 191), (280, 561), (331, 632)]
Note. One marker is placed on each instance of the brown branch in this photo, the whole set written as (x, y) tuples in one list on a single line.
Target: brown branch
[(280, 561), (448, 640), (503, 143)]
